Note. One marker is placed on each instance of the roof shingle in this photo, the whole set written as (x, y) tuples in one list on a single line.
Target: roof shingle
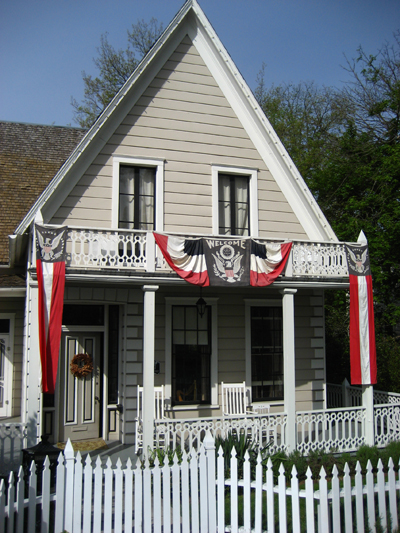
[(30, 156)]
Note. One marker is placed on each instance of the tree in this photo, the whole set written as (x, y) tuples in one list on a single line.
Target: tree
[(307, 119), (375, 91), (115, 67), (347, 145)]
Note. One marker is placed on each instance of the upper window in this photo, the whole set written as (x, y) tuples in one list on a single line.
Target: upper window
[(266, 353), (138, 194), (136, 197), (235, 201), (233, 208)]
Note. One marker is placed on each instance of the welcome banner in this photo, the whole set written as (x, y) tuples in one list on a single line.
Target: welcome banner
[(224, 261)]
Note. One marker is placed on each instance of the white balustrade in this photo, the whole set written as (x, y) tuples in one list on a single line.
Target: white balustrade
[(189, 433), (126, 249), (12, 441), (334, 429), (106, 249), (387, 423)]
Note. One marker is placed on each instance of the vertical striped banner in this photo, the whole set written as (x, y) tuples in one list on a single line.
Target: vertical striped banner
[(362, 326)]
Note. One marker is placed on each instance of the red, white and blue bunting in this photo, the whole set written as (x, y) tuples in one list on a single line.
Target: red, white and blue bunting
[(362, 327), (224, 261), (50, 268)]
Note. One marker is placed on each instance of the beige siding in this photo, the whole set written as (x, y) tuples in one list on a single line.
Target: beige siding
[(184, 119)]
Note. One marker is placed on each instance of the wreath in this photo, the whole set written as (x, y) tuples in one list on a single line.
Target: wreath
[(81, 365)]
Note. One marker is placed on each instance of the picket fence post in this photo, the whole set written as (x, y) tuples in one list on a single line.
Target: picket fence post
[(209, 446), (69, 486)]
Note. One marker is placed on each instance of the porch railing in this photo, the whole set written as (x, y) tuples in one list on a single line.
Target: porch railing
[(346, 395), (136, 250), (333, 429), (12, 442), (189, 433)]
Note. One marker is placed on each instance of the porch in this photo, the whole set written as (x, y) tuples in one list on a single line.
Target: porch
[(337, 429)]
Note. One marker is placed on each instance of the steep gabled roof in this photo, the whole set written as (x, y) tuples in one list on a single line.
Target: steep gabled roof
[(30, 156), (191, 21)]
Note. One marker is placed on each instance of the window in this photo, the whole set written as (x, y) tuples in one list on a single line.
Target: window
[(233, 208), (191, 355), (6, 368), (138, 192), (266, 332), (234, 201), (136, 197)]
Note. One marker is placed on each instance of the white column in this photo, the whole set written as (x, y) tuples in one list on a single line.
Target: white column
[(32, 367), (289, 380), (149, 309), (368, 404)]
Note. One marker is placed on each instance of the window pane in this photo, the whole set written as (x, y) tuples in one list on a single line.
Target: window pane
[(233, 204), (191, 318), (4, 325), (136, 197)]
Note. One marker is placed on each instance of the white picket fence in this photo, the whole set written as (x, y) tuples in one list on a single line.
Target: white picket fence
[(194, 496)]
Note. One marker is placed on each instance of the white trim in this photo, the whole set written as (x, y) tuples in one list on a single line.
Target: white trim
[(6, 410), (213, 302), (158, 164), (253, 195)]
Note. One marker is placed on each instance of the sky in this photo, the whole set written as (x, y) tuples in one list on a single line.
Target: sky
[(46, 44)]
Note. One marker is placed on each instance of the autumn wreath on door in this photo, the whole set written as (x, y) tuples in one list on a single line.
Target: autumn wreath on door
[(81, 365)]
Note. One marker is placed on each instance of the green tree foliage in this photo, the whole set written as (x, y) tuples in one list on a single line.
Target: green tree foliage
[(347, 145), (114, 68), (307, 119)]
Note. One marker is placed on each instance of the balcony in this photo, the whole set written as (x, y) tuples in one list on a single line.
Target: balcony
[(124, 250)]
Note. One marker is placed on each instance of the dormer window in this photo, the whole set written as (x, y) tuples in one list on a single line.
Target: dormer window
[(138, 191), (235, 201), (233, 205)]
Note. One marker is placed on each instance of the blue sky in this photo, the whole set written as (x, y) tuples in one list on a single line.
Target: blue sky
[(46, 44)]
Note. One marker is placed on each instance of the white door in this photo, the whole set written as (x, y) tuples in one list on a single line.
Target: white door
[(80, 397)]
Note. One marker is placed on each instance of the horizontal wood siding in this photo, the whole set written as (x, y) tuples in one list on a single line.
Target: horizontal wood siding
[(184, 119)]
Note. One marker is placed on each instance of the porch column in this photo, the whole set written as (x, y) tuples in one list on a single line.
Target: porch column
[(289, 381), (148, 364), (368, 404), (32, 367)]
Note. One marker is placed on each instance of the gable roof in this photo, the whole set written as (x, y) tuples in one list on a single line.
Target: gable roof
[(30, 156), (191, 21)]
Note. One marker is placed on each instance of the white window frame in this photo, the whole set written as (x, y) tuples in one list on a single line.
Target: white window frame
[(6, 410), (253, 195), (276, 302), (158, 164), (169, 303)]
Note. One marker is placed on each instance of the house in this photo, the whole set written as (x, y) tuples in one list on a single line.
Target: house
[(30, 155), (185, 152)]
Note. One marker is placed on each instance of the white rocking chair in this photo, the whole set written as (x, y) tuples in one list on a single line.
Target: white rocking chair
[(235, 399), (158, 414)]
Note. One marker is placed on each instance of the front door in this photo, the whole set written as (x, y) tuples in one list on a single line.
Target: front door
[(80, 396)]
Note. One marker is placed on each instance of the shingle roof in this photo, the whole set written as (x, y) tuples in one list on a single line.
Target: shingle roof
[(30, 156)]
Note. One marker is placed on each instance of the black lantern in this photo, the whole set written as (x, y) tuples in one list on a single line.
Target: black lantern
[(38, 454), (201, 305)]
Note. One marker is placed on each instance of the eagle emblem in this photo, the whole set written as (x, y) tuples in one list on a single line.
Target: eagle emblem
[(50, 245), (227, 264), (358, 259)]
